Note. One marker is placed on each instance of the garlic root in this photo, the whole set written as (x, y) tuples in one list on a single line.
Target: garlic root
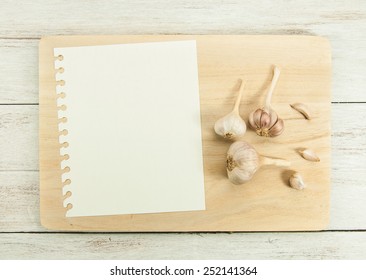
[(232, 125), (243, 161)]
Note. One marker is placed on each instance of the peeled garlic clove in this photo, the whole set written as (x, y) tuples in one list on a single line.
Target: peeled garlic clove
[(296, 181), (309, 155), (230, 126), (277, 128), (303, 109)]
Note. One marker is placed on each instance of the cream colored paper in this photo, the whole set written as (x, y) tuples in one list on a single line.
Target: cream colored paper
[(134, 131)]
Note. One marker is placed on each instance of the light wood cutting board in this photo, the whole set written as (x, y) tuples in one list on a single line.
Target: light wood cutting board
[(266, 203)]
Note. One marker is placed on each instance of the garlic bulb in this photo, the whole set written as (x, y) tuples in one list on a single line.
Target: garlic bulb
[(232, 125), (242, 161), (265, 121)]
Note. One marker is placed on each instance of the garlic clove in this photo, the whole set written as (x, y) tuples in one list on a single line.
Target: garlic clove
[(277, 128), (296, 181), (303, 109), (265, 120), (230, 126), (274, 118), (251, 119), (257, 114), (309, 155)]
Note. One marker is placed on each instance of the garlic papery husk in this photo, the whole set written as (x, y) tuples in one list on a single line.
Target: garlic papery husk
[(265, 121), (243, 161), (296, 181), (232, 125), (303, 109)]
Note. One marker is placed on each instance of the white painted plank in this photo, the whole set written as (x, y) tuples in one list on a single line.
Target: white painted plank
[(19, 190), (18, 137), (19, 200), (343, 22), (348, 167), (324, 245), (26, 19), (19, 71)]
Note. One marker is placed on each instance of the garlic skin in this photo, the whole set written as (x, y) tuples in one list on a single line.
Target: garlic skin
[(232, 125), (297, 182), (303, 109), (265, 121), (243, 161)]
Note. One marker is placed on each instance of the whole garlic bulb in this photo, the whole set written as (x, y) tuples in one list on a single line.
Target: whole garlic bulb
[(243, 161), (232, 125), (265, 121)]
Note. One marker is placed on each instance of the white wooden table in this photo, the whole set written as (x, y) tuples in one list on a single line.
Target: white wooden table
[(22, 23)]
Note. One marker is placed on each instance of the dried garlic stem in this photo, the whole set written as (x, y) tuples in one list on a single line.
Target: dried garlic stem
[(238, 99), (274, 161), (276, 75)]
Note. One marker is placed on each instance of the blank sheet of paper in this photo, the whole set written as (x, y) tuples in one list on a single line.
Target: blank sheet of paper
[(134, 129)]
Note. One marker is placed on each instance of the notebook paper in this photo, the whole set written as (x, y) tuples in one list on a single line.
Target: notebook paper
[(134, 129)]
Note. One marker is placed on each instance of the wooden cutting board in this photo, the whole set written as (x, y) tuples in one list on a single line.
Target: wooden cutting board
[(266, 203)]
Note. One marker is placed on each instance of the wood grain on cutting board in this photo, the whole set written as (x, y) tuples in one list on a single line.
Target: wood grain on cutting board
[(264, 204)]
